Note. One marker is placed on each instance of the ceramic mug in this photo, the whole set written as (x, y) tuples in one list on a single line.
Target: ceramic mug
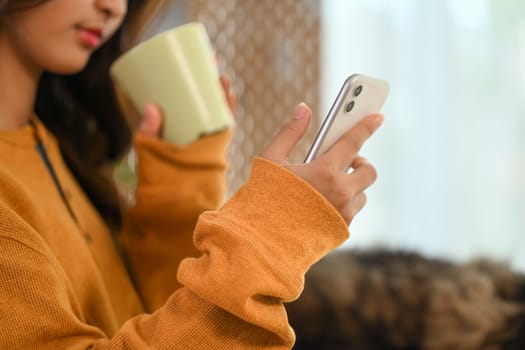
[(176, 69)]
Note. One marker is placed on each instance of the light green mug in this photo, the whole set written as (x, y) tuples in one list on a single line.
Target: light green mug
[(176, 69)]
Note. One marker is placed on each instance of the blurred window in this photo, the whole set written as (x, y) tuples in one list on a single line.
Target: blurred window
[(451, 154)]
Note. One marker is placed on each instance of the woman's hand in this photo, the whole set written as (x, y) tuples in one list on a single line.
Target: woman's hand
[(151, 124), (229, 93), (328, 174)]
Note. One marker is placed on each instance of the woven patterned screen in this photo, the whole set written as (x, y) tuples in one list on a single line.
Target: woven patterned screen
[(270, 49)]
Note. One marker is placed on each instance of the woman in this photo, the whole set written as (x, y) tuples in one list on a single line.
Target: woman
[(78, 269)]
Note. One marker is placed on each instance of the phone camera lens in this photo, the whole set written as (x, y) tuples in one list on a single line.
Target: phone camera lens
[(350, 106), (358, 90)]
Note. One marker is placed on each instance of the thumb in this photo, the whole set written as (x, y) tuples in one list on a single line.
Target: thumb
[(151, 121), (290, 134)]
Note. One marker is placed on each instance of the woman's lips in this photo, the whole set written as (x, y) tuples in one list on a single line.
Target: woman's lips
[(91, 37)]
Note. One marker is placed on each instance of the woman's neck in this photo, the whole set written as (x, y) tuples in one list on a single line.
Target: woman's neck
[(18, 85)]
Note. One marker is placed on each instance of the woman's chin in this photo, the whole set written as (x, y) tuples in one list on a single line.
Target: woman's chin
[(71, 66), (69, 70)]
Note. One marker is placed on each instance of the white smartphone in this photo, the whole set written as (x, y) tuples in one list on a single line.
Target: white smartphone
[(360, 96)]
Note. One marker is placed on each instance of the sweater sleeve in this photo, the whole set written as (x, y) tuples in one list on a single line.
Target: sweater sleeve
[(175, 185), (254, 253)]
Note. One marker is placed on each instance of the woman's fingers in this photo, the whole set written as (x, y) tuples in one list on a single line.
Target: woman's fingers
[(363, 176), (328, 173), (347, 147), (357, 203), (151, 123), (229, 93), (290, 134), (225, 82), (355, 183)]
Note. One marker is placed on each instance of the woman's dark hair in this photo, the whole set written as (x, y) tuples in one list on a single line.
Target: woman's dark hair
[(83, 111)]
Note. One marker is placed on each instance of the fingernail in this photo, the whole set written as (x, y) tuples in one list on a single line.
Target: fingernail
[(302, 111), (379, 119)]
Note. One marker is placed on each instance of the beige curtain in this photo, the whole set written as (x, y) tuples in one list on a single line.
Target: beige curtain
[(270, 49)]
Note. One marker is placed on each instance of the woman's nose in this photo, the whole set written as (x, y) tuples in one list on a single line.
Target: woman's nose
[(112, 8)]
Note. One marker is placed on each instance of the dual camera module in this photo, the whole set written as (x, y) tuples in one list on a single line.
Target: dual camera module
[(351, 104)]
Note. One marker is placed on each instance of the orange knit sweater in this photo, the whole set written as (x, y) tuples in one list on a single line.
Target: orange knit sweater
[(63, 284)]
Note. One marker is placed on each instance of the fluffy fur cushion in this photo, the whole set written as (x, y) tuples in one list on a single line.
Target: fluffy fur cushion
[(397, 300)]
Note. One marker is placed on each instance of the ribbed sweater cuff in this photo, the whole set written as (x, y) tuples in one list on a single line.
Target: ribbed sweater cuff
[(294, 221)]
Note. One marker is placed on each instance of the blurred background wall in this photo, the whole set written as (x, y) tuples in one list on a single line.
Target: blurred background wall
[(451, 154)]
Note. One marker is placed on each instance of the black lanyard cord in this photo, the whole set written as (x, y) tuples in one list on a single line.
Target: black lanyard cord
[(43, 154), (45, 158)]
